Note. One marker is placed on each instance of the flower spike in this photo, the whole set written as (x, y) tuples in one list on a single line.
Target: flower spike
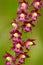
[(16, 33)]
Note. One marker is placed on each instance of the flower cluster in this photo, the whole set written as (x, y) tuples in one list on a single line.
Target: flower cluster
[(16, 33)]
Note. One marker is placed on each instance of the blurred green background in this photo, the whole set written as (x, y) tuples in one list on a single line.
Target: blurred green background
[(8, 9)]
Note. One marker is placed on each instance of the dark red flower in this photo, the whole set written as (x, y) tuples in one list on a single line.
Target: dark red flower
[(27, 26), (37, 4), (15, 24), (34, 15), (9, 59), (22, 56), (22, 16), (17, 47), (23, 5), (28, 43), (15, 35)]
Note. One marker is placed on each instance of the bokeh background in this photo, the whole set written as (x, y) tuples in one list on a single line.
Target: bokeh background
[(8, 9)]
